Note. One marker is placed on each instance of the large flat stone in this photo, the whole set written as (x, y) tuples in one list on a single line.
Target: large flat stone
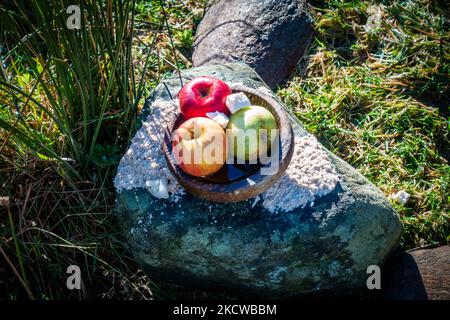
[(325, 246), (269, 35)]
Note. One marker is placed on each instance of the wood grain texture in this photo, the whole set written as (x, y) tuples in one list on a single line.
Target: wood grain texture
[(246, 187)]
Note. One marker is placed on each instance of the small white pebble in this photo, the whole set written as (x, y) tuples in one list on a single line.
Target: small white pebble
[(265, 90), (159, 188), (401, 196), (237, 101), (219, 117)]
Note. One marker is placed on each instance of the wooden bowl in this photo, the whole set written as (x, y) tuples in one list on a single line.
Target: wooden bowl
[(236, 182)]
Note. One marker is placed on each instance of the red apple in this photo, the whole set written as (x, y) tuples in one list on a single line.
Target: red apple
[(199, 146), (203, 94)]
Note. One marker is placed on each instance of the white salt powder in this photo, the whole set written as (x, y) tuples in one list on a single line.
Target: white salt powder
[(309, 175), (144, 164)]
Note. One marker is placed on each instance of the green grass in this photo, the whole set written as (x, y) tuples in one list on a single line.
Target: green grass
[(374, 90), (68, 104)]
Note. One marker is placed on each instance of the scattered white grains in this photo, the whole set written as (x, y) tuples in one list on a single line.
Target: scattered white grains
[(237, 83), (309, 175), (144, 164)]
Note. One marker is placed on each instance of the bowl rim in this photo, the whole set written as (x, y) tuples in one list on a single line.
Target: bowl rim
[(244, 188)]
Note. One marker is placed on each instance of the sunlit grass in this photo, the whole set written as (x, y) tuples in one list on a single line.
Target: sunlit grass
[(375, 89), (373, 86)]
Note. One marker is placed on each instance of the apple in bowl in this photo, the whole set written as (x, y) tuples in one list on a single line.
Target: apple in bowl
[(203, 95), (199, 146), (250, 133)]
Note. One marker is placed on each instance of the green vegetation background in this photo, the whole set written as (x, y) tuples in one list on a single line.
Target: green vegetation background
[(373, 86)]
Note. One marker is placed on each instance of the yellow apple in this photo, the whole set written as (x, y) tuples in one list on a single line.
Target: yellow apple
[(199, 146)]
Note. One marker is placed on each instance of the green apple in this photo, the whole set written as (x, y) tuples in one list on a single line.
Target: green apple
[(244, 135)]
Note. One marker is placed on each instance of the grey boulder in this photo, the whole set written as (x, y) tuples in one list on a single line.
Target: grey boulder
[(268, 35), (241, 247)]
